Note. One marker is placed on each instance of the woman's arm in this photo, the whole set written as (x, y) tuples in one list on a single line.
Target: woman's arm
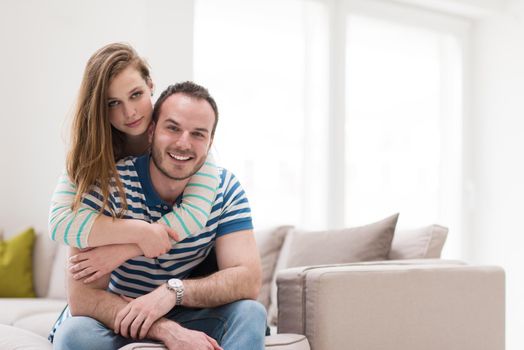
[(85, 228), (198, 198)]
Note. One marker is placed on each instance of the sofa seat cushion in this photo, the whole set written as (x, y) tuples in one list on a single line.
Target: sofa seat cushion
[(273, 342), (40, 323), (14, 309), (12, 338), (287, 341)]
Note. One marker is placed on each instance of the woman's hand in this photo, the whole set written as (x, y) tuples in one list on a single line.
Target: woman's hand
[(138, 316), (93, 263), (155, 240)]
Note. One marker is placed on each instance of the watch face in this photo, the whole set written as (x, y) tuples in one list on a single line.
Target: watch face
[(171, 283), (174, 283)]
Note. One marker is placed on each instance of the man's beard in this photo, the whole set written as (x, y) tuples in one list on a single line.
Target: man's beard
[(157, 156)]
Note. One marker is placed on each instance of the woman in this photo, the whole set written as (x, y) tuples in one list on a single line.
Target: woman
[(111, 121)]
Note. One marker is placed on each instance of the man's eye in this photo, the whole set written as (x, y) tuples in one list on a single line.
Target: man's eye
[(112, 104), (198, 134)]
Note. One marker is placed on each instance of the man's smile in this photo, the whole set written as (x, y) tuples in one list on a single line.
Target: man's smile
[(179, 157)]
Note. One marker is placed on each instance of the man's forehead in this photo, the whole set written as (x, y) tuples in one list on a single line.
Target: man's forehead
[(180, 105), (181, 109)]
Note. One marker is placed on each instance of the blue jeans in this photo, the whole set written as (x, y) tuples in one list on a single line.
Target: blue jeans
[(239, 325)]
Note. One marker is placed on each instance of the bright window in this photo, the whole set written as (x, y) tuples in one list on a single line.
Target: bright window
[(337, 113), (252, 57)]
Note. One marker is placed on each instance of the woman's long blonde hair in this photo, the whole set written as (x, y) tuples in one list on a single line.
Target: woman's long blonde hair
[(95, 144)]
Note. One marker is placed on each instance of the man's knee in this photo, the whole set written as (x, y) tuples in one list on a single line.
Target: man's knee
[(250, 312), (78, 333)]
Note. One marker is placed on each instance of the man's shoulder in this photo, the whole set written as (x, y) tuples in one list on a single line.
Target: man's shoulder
[(126, 163), (226, 178), (230, 186)]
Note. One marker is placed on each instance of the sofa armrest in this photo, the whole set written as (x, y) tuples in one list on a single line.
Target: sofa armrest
[(408, 305)]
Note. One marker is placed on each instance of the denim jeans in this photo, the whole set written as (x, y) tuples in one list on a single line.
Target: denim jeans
[(239, 325)]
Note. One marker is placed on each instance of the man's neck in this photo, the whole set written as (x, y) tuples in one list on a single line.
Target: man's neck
[(168, 189)]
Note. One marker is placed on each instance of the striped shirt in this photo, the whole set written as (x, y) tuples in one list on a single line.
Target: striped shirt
[(138, 276)]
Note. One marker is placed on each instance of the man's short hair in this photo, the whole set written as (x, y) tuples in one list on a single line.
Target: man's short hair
[(190, 89)]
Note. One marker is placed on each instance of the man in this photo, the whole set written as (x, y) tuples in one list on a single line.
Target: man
[(168, 307)]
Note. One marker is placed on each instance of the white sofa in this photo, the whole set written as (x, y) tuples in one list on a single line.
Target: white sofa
[(414, 302)]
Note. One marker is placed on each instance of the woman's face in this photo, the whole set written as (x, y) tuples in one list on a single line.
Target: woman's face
[(129, 102)]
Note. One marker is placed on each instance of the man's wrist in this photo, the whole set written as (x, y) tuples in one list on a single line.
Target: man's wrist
[(158, 329), (176, 288)]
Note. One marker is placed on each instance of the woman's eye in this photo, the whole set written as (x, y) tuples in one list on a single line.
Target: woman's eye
[(136, 94), (112, 104)]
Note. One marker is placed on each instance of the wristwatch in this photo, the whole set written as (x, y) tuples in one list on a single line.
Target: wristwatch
[(176, 285)]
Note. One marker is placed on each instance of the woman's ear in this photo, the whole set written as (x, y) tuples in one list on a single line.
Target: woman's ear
[(151, 85)]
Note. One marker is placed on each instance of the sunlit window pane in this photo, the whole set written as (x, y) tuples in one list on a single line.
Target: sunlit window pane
[(252, 57), (394, 118)]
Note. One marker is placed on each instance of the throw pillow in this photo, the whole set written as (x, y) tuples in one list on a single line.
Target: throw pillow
[(16, 266), (422, 243), (304, 248), (269, 243)]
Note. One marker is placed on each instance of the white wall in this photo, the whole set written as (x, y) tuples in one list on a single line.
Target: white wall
[(497, 235), (44, 46)]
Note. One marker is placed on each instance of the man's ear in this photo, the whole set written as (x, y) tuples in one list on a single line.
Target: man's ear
[(151, 132)]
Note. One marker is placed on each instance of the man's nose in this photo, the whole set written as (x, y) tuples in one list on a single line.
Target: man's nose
[(183, 141)]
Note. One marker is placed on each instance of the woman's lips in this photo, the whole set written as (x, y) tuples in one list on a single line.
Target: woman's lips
[(135, 123)]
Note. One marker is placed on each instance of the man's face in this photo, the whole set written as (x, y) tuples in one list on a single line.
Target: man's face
[(182, 136)]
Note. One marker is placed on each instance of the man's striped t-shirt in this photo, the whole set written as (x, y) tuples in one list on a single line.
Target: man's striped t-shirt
[(140, 275)]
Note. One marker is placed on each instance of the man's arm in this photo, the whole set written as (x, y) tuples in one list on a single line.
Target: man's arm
[(239, 276), (92, 299)]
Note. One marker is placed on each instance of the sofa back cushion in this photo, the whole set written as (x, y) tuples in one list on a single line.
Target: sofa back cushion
[(43, 257), (421, 243), (303, 248), (57, 281), (269, 243)]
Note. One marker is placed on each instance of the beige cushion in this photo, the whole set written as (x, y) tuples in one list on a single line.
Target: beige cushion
[(57, 282), (12, 338), (269, 243), (273, 342), (43, 255), (304, 248), (421, 243), (14, 309), (40, 323), (286, 341), (143, 346)]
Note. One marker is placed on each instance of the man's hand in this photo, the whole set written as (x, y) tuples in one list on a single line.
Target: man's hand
[(139, 315), (176, 337), (91, 264), (156, 240)]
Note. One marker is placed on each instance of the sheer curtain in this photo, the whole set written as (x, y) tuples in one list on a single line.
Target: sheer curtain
[(337, 113)]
